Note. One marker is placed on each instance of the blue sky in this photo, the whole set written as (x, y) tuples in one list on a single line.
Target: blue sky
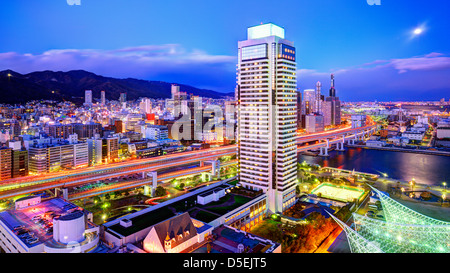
[(369, 48)]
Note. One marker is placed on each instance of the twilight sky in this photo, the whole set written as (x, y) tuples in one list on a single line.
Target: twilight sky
[(370, 49)]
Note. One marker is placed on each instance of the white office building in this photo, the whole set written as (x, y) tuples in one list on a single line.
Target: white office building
[(267, 114)]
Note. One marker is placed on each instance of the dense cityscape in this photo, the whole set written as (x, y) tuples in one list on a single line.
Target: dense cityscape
[(268, 168)]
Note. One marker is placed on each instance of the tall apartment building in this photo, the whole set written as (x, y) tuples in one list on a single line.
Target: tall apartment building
[(88, 97), (103, 97), (60, 130), (309, 101), (87, 130), (267, 114), (332, 111), (318, 104), (94, 151), (19, 166), (5, 163), (37, 159), (110, 150)]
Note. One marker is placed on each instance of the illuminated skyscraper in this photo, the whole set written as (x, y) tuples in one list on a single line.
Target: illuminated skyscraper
[(103, 97), (123, 97), (332, 107), (267, 114), (309, 101), (318, 104), (88, 97), (332, 89)]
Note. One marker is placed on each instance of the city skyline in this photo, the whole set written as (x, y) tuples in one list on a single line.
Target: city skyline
[(365, 43), (93, 164)]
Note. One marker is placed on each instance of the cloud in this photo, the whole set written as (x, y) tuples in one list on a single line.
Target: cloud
[(421, 77), (168, 62), (416, 78)]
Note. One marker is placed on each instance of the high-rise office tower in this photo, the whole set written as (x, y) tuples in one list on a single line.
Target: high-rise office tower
[(318, 104), (332, 89), (103, 97), (332, 107), (267, 115), (88, 97), (309, 101)]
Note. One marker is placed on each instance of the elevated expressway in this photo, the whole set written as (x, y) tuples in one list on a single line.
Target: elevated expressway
[(150, 166), (15, 187), (324, 140)]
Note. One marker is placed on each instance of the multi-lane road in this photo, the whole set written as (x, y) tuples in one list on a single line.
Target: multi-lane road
[(71, 178)]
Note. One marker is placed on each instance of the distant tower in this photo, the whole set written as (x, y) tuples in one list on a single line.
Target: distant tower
[(175, 90), (88, 97), (318, 106), (332, 89), (103, 97), (309, 100), (123, 97)]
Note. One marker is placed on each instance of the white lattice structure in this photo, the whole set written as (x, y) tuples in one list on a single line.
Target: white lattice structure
[(404, 231), (394, 212), (358, 244), (403, 238)]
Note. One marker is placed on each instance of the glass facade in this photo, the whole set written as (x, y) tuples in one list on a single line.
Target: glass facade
[(254, 52)]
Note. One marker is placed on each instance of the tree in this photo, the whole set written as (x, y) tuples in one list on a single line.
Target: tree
[(160, 191), (97, 200)]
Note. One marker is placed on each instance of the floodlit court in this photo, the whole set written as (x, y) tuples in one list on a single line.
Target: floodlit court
[(339, 193)]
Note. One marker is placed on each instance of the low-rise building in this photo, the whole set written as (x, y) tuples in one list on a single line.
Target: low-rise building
[(52, 226)]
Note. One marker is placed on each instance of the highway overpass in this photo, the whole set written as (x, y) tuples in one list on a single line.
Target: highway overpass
[(71, 178)]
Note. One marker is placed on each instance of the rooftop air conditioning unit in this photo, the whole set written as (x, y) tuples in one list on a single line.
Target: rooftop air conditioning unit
[(125, 223)]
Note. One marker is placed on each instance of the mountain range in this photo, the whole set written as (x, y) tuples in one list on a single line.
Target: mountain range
[(18, 88)]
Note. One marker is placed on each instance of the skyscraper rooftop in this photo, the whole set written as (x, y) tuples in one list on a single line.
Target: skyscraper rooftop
[(265, 30)]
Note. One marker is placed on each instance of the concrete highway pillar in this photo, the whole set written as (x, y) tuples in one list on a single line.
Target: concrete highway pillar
[(150, 190), (323, 151), (206, 177), (215, 167), (65, 193), (340, 146)]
